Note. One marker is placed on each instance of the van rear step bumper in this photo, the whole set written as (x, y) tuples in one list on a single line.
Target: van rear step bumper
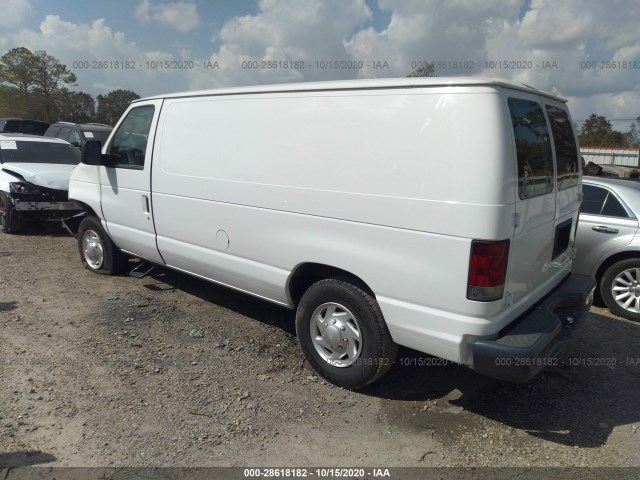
[(534, 340)]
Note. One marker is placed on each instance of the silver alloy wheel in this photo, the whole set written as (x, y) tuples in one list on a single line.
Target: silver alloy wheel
[(625, 289), (92, 249), (336, 334)]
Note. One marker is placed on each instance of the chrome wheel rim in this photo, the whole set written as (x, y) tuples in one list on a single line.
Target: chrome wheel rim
[(92, 249), (336, 334), (626, 290)]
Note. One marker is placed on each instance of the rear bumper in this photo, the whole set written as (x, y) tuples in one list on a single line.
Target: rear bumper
[(534, 340)]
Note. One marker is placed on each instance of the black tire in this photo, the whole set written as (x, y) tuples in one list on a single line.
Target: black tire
[(625, 277), (336, 305), (97, 252), (10, 221)]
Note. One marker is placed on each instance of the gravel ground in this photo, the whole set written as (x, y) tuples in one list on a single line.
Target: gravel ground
[(172, 371)]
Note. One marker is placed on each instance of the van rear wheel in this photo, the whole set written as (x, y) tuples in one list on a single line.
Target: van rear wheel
[(343, 335), (97, 252)]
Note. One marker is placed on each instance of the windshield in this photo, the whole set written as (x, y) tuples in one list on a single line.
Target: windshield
[(13, 151)]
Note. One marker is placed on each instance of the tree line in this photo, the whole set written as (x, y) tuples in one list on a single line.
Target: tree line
[(597, 131), (35, 85)]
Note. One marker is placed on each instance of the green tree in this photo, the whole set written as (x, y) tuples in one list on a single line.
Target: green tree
[(77, 107), (597, 131), (427, 70), (112, 105), (17, 69), (51, 79), (633, 136), (33, 82), (17, 85)]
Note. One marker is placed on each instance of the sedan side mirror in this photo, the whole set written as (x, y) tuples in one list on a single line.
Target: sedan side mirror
[(92, 153)]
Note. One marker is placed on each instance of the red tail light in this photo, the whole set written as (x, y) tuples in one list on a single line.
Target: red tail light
[(487, 270)]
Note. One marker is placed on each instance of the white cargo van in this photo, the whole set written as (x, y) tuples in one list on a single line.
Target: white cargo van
[(438, 214)]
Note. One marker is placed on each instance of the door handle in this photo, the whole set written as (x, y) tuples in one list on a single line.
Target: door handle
[(145, 204), (602, 229)]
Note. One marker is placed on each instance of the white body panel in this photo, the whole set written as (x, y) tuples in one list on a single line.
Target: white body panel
[(389, 184), (48, 175)]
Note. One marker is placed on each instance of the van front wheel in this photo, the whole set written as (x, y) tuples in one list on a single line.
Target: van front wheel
[(97, 252), (343, 335)]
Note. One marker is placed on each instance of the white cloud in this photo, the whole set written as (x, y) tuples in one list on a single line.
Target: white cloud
[(553, 24), (432, 31), (181, 16), (303, 31), (97, 38), (567, 33), (575, 35), (15, 13), (558, 35), (74, 43)]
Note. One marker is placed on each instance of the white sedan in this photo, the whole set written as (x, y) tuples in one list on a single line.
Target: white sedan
[(34, 179)]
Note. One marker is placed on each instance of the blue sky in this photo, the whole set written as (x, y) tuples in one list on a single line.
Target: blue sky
[(587, 51)]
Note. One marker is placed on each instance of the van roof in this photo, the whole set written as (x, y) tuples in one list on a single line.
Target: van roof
[(365, 84)]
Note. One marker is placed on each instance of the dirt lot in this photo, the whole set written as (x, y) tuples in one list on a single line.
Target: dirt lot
[(172, 371)]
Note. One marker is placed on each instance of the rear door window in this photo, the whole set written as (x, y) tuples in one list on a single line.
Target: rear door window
[(567, 159), (599, 201), (533, 148)]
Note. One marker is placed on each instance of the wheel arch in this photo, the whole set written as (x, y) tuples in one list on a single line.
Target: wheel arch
[(306, 274), (615, 258), (73, 223)]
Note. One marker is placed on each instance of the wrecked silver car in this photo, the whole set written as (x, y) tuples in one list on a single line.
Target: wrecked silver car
[(34, 179)]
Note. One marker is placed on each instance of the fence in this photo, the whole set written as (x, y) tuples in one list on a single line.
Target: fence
[(628, 157)]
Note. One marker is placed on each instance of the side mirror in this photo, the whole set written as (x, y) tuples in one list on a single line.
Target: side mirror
[(92, 153)]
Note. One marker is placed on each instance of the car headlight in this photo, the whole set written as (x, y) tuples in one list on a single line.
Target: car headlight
[(21, 187)]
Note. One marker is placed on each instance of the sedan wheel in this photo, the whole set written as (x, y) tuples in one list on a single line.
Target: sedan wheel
[(620, 288), (9, 220)]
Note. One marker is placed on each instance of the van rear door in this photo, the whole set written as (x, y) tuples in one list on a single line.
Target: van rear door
[(546, 204), (568, 167)]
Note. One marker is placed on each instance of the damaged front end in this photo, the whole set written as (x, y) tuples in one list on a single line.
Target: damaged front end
[(39, 202)]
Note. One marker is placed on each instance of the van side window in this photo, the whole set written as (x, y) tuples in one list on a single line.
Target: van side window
[(533, 148), (598, 201), (129, 144), (567, 159)]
